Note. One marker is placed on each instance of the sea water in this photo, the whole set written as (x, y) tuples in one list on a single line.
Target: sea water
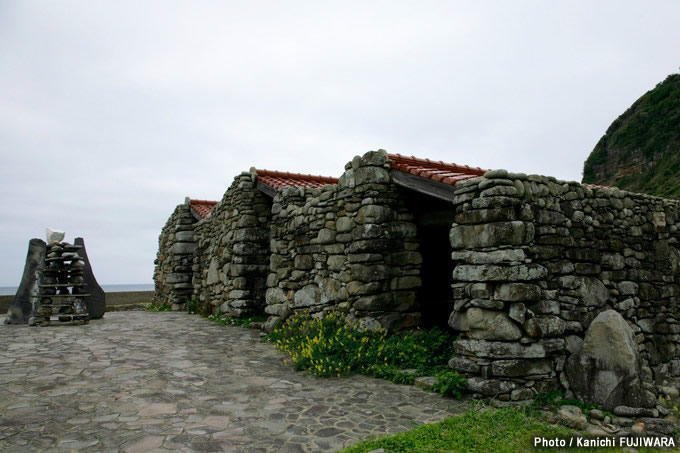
[(12, 290)]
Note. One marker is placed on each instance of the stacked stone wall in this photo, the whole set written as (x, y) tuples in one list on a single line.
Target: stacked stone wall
[(536, 260), (173, 272), (350, 245), (232, 260)]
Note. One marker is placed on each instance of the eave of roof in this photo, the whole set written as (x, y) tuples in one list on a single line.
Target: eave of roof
[(201, 207), (438, 171), (280, 179)]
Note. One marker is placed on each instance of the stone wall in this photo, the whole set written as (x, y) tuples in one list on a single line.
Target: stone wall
[(232, 260), (173, 272), (536, 260), (350, 245)]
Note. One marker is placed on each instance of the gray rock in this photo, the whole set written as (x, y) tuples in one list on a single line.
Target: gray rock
[(520, 368), (596, 414), (606, 371), (490, 387), (307, 296), (491, 325), (499, 173), (517, 312), (518, 292), (184, 248), (573, 417), (506, 350), (490, 272), (544, 326)]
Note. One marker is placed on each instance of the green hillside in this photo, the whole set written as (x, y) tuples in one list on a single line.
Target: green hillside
[(641, 150)]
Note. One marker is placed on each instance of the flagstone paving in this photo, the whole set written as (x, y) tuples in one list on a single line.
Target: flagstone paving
[(143, 381)]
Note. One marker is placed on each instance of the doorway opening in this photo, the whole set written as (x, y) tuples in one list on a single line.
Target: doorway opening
[(433, 219)]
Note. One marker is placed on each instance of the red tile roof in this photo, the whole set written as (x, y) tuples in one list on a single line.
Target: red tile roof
[(202, 207), (279, 179), (436, 170)]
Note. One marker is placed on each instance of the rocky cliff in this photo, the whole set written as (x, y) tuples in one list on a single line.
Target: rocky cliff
[(640, 151)]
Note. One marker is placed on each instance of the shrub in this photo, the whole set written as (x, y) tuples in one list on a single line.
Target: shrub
[(329, 346)]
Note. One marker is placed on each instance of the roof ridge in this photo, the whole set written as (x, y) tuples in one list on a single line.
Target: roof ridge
[(285, 174), (439, 165), (195, 201)]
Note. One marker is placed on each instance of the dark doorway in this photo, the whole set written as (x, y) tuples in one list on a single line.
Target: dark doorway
[(434, 218), (436, 296)]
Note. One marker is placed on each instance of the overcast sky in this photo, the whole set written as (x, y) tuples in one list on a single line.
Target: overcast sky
[(112, 112)]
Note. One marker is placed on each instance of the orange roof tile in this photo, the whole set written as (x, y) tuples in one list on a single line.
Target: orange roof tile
[(279, 179), (202, 207), (435, 170)]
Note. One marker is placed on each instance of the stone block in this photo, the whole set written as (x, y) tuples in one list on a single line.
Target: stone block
[(545, 326), (464, 365), (506, 350), (275, 296), (490, 387), (481, 290), (485, 324), (336, 262), (183, 248), (326, 236), (496, 191), (520, 367), (490, 235), (488, 304), (513, 292), (366, 273), (546, 307), (405, 257), (368, 231), (486, 215), (378, 302), (490, 272), (307, 296), (303, 262), (178, 278), (489, 257), (371, 175), (184, 236), (408, 282), (344, 224), (517, 312), (373, 214)]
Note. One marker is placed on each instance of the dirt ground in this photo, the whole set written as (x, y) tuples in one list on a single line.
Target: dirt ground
[(125, 298)]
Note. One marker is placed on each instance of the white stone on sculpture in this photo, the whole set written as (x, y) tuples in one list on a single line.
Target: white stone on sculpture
[(54, 235)]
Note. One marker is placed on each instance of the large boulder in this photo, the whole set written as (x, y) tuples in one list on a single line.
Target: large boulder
[(606, 371)]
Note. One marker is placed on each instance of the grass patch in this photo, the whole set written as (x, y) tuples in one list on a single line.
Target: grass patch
[(225, 320), (329, 346), (498, 430)]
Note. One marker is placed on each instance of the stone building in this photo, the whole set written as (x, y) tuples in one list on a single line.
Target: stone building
[(525, 268)]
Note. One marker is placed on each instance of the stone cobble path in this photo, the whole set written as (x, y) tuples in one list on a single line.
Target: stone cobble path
[(142, 381)]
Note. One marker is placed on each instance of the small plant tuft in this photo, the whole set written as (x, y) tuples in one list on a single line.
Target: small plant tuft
[(450, 383), (226, 320), (157, 305)]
